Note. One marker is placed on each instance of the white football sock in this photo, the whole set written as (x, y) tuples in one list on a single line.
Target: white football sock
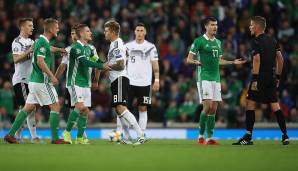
[(143, 118), (125, 126), (119, 124), (130, 118), (31, 123)]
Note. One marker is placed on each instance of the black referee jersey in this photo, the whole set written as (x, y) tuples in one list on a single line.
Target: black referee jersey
[(266, 47)]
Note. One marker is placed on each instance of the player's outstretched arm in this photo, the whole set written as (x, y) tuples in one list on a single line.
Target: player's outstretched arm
[(96, 78), (234, 62), (190, 60), (56, 49), (24, 56), (91, 64), (119, 66)]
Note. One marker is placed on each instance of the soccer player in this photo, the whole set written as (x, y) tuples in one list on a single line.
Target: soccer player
[(41, 85), (142, 59), (266, 71), (63, 65), (22, 48), (208, 53), (119, 79), (79, 82)]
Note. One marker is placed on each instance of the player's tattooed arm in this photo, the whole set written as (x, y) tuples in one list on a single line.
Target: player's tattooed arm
[(190, 60), (120, 65), (24, 56)]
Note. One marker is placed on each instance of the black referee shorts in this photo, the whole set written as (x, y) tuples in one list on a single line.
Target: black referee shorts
[(120, 88), (21, 91), (267, 92)]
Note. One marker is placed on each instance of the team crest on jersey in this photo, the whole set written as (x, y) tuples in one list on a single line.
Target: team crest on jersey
[(16, 49), (42, 50), (116, 52), (78, 51), (192, 46)]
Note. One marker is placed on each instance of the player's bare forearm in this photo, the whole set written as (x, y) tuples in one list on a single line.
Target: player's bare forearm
[(22, 57), (279, 62), (118, 66), (191, 61), (42, 65), (234, 62), (155, 68), (60, 70), (256, 64), (97, 74), (56, 49), (225, 62)]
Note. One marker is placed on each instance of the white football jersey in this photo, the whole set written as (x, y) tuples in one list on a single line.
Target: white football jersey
[(117, 52), (22, 69), (139, 66)]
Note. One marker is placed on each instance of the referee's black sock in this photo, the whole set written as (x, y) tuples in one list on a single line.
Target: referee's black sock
[(281, 121), (250, 120)]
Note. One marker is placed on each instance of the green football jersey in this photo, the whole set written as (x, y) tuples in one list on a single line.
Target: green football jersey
[(207, 51), (41, 49), (79, 74)]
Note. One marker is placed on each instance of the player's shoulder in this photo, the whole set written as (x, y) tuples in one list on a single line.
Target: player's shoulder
[(117, 43), (130, 43), (17, 40), (148, 44)]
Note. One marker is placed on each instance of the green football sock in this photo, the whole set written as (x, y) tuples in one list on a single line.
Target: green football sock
[(203, 119), (210, 125), (18, 122), (82, 123), (72, 118), (54, 124)]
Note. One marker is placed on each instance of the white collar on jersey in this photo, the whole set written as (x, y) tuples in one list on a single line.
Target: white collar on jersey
[(44, 37), (207, 38), (80, 42)]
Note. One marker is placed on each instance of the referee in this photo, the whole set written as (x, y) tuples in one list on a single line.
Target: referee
[(266, 70)]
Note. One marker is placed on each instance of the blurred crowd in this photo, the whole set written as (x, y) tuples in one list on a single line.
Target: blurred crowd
[(172, 25)]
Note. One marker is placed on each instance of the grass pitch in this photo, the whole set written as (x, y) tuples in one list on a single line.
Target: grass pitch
[(155, 155)]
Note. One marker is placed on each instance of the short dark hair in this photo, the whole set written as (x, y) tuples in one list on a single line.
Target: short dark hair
[(23, 20), (78, 28), (113, 26), (208, 19), (259, 20), (140, 25), (48, 23), (74, 27)]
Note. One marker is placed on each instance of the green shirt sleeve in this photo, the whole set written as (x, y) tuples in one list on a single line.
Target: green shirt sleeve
[(195, 47), (41, 49)]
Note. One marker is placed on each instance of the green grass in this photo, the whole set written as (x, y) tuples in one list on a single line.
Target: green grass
[(173, 155)]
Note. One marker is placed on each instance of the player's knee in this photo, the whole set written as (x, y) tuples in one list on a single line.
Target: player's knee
[(142, 108), (275, 107), (55, 107), (81, 107), (120, 109), (29, 108)]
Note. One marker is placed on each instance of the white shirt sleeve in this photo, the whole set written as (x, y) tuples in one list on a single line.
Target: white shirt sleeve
[(154, 54), (120, 52), (16, 48)]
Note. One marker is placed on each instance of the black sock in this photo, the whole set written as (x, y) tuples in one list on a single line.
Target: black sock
[(281, 121), (250, 120)]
